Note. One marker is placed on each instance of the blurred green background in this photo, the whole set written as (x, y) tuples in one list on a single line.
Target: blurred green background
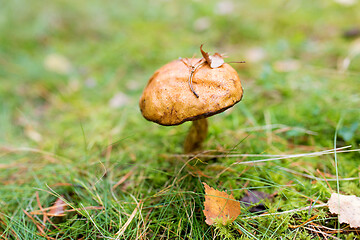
[(71, 74)]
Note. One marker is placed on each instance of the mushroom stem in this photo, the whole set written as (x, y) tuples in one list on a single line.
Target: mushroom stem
[(197, 134)]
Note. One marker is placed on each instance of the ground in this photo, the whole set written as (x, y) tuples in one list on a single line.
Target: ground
[(71, 75)]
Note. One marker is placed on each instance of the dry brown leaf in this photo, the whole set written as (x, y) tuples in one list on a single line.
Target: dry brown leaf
[(215, 60), (255, 199), (219, 206), (58, 208), (347, 207), (205, 55)]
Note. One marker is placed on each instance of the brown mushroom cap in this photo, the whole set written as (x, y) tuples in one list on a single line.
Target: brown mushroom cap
[(168, 100)]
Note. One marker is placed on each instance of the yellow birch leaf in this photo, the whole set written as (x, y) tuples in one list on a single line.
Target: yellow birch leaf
[(219, 206)]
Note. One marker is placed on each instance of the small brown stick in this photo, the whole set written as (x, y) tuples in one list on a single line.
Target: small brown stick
[(323, 233), (309, 220), (192, 69), (41, 231), (14, 234), (237, 62), (45, 215), (190, 83), (329, 230), (45, 218), (318, 233)]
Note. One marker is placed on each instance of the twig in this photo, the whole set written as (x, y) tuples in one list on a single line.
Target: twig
[(14, 234), (325, 234), (309, 220), (236, 62), (42, 232), (192, 69), (190, 82), (327, 228), (45, 214)]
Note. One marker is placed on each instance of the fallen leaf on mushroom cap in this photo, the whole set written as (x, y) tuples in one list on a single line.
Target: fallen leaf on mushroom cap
[(219, 206), (215, 60), (347, 207)]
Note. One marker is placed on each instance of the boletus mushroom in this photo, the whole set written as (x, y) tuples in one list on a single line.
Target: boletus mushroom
[(190, 90)]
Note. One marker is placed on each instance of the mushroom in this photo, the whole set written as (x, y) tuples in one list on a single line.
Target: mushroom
[(180, 92)]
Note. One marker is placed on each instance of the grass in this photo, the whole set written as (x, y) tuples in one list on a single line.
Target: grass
[(60, 136)]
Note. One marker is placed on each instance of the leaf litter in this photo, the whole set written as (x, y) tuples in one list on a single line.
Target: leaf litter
[(255, 199), (58, 208), (214, 61), (220, 207), (347, 207)]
